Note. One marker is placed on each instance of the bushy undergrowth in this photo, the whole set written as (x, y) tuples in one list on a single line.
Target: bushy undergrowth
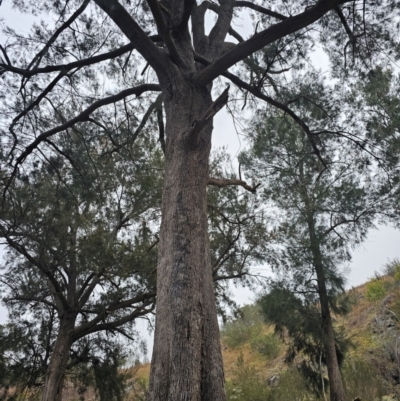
[(362, 380), (392, 268), (375, 290), (248, 384)]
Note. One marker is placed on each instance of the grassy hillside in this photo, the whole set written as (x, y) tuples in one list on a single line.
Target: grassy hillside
[(254, 357)]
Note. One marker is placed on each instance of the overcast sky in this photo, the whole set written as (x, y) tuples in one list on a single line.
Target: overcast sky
[(381, 245)]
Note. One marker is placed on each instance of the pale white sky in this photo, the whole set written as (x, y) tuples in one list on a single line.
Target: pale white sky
[(382, 244)]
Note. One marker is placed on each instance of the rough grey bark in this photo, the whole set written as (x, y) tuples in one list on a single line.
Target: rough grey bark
[(336, 387), (187, 362), (58, 362)]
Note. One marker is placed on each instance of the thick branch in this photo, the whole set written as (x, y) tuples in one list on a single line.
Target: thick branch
[(346, 25), (236, 35), (164, 31), (264, 38), (221, 27), (219, 103), (94, 326), (218, 182), (80, 63), (199, 36), (129, 302), (144, 45), (160, 121)]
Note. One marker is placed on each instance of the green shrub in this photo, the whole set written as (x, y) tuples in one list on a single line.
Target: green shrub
[(239, 331), (375, 290), (247, 384), (267, 345), (361, 379)]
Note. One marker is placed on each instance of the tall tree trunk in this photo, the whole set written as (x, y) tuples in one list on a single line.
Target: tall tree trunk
[(336, 387), (58, 362), (187, 360)]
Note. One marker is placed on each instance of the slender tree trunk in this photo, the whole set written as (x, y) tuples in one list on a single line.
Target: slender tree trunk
[(58, 362), (336, 387), (187, 359)]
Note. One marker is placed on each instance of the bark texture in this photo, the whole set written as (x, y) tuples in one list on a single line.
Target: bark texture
[(187, 361), (58, 362)]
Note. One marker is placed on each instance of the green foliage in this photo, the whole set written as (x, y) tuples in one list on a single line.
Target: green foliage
[(375, 290), (267, 345), (109, 378), (301, 320), (362, 379), (246, 327), (392, 269), (293, 386), (140, 387), (247, 384)]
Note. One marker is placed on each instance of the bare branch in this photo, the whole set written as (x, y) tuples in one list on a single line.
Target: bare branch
[(80, 63), (226, 182), (3, 50), (198, 125), (230, 277), (236, 35), (160, 121), (346, 26), (344, 221), (260, 9)]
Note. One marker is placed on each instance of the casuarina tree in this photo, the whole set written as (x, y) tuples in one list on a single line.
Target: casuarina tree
[(88, 66), (324, 211)]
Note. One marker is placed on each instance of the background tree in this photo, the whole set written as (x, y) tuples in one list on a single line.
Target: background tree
[(148, 47), (324, 210)]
